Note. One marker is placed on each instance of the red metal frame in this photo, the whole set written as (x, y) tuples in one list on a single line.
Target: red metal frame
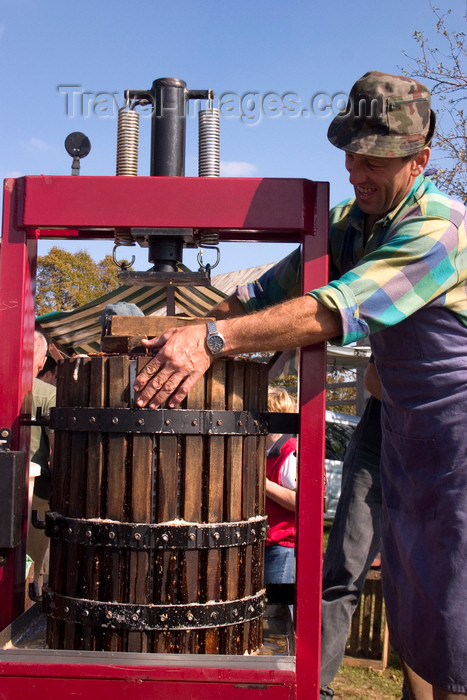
[(266, 210)]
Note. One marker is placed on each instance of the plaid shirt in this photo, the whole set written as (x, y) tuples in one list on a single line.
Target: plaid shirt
[(415, 255)]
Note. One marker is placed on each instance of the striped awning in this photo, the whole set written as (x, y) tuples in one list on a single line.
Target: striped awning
[(79, 331)]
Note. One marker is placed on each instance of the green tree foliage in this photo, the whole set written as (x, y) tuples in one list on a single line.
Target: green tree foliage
[(444, 66), (68, 280)]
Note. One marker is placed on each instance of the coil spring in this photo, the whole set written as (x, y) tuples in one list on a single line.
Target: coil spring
[(123, 237), (127, 142), (206, 238), (209, 142)]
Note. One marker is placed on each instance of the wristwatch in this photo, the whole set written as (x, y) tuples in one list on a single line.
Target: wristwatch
[(214, 339)]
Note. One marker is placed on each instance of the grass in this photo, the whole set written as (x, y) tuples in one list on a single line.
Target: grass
[(358, 683)]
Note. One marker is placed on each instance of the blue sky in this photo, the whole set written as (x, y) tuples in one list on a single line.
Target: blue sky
[(261, 53)]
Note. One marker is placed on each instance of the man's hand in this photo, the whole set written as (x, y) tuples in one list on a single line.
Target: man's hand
[(182, 359)]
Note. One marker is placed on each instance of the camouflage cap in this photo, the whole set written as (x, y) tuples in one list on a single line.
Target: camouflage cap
[(387, 116)]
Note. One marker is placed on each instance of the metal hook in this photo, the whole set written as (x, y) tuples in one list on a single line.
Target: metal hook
[(122, 264), (208, 266), (131, 102)]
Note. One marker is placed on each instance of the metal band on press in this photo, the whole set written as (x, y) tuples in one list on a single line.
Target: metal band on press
[(164, 421), (126, 616), (150, 536)]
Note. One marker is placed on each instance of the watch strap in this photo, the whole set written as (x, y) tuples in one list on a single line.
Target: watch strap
[(212, 327)]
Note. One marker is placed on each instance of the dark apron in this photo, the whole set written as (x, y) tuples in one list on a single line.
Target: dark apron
[(422, 363)]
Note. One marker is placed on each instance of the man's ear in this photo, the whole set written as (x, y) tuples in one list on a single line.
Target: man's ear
[(42, 363), (420, 161)]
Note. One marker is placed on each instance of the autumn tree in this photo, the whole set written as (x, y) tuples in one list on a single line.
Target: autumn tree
[(67, 280), (445, 67)]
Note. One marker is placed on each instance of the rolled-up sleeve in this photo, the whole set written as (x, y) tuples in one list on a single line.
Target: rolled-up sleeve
[(422, 259)]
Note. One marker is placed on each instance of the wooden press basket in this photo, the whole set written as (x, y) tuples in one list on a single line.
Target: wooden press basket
[(157, 517)]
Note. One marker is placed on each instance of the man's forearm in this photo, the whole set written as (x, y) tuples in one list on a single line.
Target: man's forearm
[(295, 323)]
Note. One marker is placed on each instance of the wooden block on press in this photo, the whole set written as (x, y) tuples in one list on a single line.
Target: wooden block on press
[(123, 345), (150, 326)]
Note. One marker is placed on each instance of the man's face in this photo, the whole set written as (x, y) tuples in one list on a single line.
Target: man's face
[(380, 184)]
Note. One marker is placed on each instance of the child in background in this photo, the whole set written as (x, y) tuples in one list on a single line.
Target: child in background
[(281, 480)]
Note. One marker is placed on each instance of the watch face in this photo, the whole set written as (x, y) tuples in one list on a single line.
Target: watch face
[(215, 343)]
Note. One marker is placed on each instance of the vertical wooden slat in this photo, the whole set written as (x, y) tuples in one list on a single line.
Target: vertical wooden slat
[(79, 394), (113, 569), (140, 512), (116, 477), (95, 441), (248, 491), (216, 399), (377, 641), (366, 618), (233, 498), (165, 505), (158, 563), (192, 494), (61, 442), (57, 503), (95, 454), (354, 639), (167, 510)]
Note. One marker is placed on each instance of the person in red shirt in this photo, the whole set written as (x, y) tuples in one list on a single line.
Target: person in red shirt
[(281, 481)]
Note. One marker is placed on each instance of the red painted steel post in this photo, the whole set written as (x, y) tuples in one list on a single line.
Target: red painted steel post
[(309, 547), (17, 272)]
